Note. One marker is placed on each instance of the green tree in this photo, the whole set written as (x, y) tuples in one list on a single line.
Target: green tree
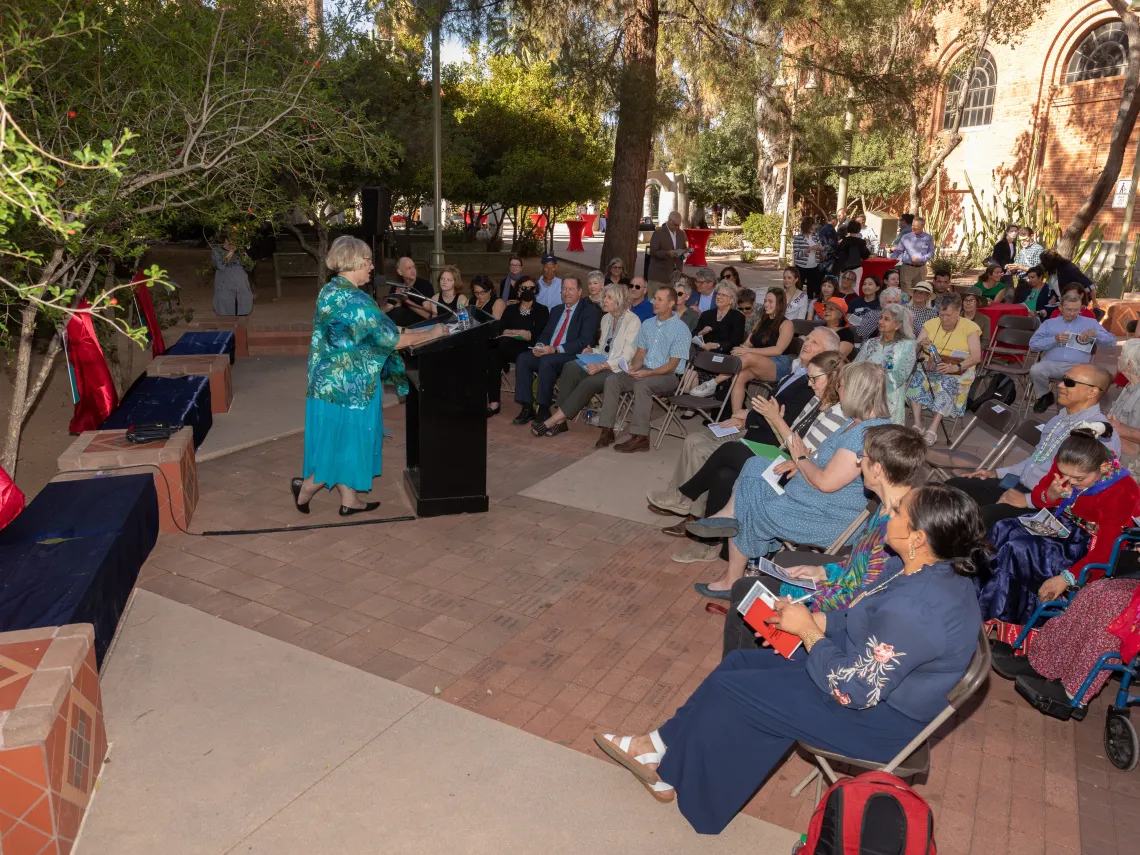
[(723, 168)]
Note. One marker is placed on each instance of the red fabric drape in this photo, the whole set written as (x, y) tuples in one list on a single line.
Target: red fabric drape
[(97, 395), (11, 499), (146, 307)]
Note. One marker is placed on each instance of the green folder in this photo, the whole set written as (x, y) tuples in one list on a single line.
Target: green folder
[(761, 450)]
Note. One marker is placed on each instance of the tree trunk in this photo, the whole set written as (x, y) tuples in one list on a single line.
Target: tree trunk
[(19, 389), (848, 146), (1121, 133), (915, 142), (766, 154), (637, 91), (322, 254)]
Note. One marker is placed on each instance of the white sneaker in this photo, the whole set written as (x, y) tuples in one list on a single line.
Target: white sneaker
[(704, 390), (670, 500), (697, 553)]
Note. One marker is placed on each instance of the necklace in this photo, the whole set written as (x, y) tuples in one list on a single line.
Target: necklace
[(949, 335), (1050, 442), (882, 585)]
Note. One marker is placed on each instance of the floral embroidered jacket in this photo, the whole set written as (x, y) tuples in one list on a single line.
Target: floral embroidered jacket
[(353, 348), (906, 643)]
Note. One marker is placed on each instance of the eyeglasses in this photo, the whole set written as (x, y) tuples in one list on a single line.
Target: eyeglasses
[(813, 377), (636, 287), (1069, 383)]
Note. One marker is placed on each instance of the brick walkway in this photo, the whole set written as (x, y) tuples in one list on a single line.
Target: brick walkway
[(563, 622)]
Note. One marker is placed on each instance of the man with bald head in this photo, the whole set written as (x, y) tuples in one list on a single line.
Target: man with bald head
[(405, 309), (1078, 394)]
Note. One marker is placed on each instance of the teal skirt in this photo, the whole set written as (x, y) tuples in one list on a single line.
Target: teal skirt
[(342, 445)]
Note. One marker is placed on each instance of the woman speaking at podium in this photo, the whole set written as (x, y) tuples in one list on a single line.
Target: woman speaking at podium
[(352, 355)]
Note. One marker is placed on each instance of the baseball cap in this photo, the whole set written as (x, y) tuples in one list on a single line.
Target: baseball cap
[(547, 258), (923, 286)]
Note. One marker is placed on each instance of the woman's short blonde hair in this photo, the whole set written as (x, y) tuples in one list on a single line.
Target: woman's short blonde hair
[(348, 253), (865, 391), (460, 288), (728, 288), (620, 295), (595, 276), (891, 295), (1130, 356)]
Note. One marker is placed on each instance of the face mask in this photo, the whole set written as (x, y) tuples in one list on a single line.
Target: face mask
[(526, 294), (1011, 235)]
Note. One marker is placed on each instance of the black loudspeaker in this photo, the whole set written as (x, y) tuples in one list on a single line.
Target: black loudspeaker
[(376, 210)]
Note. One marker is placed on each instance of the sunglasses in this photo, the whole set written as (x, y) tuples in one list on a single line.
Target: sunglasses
[(1069, 383), (636, 287)]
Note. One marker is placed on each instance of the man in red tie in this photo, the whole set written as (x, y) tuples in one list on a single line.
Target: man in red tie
[(571, 328)]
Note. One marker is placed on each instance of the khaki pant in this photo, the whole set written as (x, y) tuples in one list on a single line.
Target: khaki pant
[(910, 275), (643, 390), (698, 448)]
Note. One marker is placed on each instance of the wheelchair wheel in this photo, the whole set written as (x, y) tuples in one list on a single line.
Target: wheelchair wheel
[(1120, 742)]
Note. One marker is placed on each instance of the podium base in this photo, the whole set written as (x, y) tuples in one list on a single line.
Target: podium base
[(440, 506)]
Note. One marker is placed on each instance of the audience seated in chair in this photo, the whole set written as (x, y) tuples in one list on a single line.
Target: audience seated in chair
[(656, 368), (895, 350), (569, 330), (522, 323), (580, 383), (1088, 492), (893, 457), (1063, 342), (818, 419), (952, 348), (792, 395), (1079, 395), (824, 493), (640, 302), (865, 683), (764, 356), (688, 315)]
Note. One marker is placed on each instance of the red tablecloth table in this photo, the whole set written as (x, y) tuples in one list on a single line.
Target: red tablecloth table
[(589, 219), (539, 221), (576, 228), (876, 267), (697, 239), (997, 310)]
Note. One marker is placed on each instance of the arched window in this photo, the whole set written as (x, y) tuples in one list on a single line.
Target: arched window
[(1102, 53), (979, 95)]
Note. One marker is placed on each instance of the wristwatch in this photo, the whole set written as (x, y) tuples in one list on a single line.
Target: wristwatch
[(801, 457)]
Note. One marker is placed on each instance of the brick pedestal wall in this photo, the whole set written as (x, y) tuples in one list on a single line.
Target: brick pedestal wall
[(214, 366), (280, 339), (237, 325), (52, 737), (99, 449)]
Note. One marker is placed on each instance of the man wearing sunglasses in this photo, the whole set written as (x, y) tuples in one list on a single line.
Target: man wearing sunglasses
[(1063, 341), (640, 306), (1004, 492)]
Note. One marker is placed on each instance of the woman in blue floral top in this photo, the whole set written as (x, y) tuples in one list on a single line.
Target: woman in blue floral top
[(865, 682), (351, 357)]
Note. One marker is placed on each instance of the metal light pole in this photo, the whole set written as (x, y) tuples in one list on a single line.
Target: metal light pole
[(791, 164), (436, 260), (1116, 282)]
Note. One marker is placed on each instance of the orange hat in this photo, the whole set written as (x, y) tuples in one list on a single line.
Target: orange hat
[(840, 302)]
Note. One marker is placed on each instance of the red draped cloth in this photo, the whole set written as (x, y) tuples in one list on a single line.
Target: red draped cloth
[(11, 499), (93, 383), (146, 308)]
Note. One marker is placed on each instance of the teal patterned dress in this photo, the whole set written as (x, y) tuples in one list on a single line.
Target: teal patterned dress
[(352, 355)]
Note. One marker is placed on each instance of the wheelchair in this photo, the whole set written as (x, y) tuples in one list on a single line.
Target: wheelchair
[(1121, 745)]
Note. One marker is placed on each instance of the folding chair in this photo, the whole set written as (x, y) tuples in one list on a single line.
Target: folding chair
[(1010, 344), (713, 363), (804, 328), (995, 415), (837, 545), (914, 759), (1019, 322)]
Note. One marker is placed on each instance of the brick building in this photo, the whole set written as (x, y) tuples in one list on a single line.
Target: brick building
[(1048, 104)]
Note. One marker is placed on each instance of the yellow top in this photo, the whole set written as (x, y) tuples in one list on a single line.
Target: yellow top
[(956, 339)]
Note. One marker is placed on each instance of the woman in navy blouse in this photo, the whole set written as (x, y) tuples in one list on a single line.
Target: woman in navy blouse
[(866, 680)]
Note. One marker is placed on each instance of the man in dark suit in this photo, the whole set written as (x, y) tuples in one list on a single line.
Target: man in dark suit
[(666, 248), (571, 328), (404, 309), (1005, 250)]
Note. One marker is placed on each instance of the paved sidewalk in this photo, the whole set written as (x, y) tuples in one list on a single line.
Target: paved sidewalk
[(228, 741)]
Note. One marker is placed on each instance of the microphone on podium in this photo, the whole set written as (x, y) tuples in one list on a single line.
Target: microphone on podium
[(405, 289)]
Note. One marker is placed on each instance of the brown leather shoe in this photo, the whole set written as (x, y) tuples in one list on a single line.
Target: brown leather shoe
[(678, 530), (606, 438), (634, 443)]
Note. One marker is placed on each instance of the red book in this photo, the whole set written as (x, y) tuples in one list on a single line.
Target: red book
[(756, 608)]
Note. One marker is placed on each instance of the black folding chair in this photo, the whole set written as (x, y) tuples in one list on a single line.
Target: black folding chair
[(713, 363), (1000, 418)]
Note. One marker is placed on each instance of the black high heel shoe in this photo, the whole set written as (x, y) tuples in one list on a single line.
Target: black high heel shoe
[(347, 512), (295, 486)]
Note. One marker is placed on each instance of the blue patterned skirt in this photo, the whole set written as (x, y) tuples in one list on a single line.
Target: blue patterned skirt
[(1022, 563), (342, 445)]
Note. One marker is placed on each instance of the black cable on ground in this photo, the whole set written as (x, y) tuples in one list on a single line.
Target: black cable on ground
[(170, 498)]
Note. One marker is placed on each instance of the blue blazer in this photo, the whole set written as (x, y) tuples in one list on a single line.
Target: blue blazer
[(581, 331)]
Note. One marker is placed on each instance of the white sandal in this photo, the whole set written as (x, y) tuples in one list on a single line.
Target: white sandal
[(929, 436), (617, 748)]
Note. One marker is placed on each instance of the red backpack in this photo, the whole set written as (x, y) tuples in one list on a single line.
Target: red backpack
[(872, 814)]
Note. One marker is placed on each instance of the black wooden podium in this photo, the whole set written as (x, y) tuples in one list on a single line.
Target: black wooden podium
[(447, 421)]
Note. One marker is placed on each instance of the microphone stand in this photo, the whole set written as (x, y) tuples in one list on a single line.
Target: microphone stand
[(404, 289)]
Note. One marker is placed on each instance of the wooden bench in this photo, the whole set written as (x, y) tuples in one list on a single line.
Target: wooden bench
[(292, 265)]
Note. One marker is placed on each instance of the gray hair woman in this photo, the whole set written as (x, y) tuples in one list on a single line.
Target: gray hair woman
[(726, 287), (595, 282), (952, 348), (353, 354), (868, 322), (894, 349), (1124, 415), (686, 313), (615, 272), (580, 382)]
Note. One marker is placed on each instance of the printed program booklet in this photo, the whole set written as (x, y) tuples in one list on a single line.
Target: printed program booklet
[(756, 608)]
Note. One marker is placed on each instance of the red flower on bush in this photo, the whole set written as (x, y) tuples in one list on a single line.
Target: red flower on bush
[(71, 114), (113, 301)]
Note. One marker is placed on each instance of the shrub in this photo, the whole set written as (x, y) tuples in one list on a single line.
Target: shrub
[(726, 240), (763, 230), (748, 255)]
